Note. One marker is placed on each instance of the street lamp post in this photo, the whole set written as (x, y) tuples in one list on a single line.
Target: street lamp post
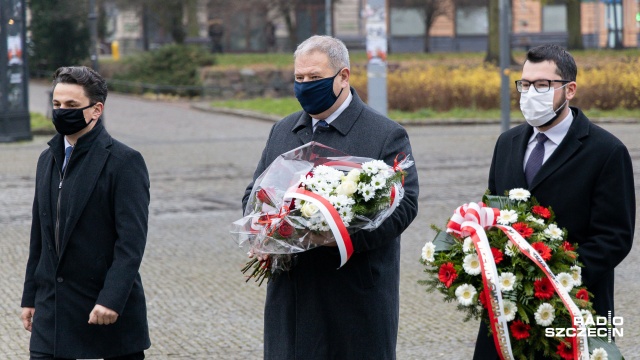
[(505, 64), (93, 29), (14, 87)]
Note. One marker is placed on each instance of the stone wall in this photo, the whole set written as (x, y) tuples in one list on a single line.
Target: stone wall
[(247, 82)]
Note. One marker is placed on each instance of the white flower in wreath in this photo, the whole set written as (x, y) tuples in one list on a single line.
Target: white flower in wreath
[(599, 354), (354, 175), (566, 280), (511, 250), (471, 264), (587, 317), (576, 274), (510, 309), (378, 181), (507, 217), (428, 250), (534, 219), (507, 281), (553, 232), (519, 194), (340, 201), (347, 187), (366, 191), (373, 167), (545, 314), (467, 245), (465, 294), (308, 209)]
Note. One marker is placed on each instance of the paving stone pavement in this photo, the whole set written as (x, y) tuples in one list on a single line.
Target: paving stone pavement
[(199, 163)]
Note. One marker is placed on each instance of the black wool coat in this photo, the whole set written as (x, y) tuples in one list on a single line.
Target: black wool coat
[(316, 311), (102, 230), (588, 182)]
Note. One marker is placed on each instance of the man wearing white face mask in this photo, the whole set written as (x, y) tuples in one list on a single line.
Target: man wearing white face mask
[(579, 169)]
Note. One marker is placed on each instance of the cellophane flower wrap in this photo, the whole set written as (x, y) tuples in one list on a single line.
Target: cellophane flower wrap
[(311, 196), (530, 303)]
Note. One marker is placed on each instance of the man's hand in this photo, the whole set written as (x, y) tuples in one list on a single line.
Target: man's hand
[(101, 315), (27, 317)]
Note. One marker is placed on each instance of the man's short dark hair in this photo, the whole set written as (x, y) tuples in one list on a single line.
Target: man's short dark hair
[(95, 87), (566, 65)]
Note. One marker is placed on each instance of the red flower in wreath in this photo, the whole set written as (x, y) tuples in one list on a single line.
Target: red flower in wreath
[(543, 250), (567, 246), (482, 297), (582, 294), (497, 255), (565, 351), (541, 211), (265, 195), (447, 274), (520, 330), (523, 229), (285, 229), (543, 288)]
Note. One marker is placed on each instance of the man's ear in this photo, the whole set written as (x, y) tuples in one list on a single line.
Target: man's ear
[(97, 110), (344, 76), (570, 90)]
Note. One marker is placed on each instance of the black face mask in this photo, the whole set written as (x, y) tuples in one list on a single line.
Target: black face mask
[(70, 121)]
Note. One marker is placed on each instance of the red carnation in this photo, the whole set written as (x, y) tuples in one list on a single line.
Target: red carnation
[(565, 351), (567, 246), (541, 211), (447, 274), (582, 294), (543, 250), (523, 229), (497, 255), (543, 288), (520, 330), (483, 298), (285, 229)]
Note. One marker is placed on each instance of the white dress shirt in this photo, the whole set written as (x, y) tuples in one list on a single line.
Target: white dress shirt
[(555, 135), (335, 114)]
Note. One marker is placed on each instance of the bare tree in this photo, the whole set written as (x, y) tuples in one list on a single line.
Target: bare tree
[(431, 9), (168, 14)]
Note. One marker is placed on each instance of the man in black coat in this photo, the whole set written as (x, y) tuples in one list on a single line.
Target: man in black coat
[(316, 311), (584, 173), (83, 296)]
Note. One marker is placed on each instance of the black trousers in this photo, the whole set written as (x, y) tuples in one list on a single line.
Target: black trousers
[(41, 356)]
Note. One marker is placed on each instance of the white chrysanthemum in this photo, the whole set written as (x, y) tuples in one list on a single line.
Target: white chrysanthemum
[(428, 250), (519, 194), (341, 201), (346, 215), (599, 354), (467, 245), (507, 217), (471, 264), (511, 250), (510, 309), (378, 182), (545, 314), (366, 191), (576, 274), (534, 219), (553, 232), (566, 280), (465, 294), (507, 281)]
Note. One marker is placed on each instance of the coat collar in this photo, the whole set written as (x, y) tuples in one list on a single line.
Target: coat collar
[(570, 144), (343, 123)]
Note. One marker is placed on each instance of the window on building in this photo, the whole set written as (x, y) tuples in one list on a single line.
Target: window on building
[(472, 20), (407, 22), (554, 18)]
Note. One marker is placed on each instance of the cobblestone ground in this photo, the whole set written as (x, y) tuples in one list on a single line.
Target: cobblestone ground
[(199, 306)]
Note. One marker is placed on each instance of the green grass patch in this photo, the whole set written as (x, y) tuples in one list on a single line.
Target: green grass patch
[(39, 123), (285, 106)]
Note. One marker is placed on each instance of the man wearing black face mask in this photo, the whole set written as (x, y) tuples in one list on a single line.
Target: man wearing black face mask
[(583, 172), (83, 296), (315, 311)]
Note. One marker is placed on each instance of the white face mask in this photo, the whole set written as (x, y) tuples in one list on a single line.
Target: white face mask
[(537, 108)]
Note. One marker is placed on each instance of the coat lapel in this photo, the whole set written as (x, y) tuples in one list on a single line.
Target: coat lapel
[(519, 146), (82, 187), (565, 150)]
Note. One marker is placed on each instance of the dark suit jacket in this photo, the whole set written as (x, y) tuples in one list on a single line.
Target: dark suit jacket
[(104, 200), (315, 311), (588, 182)]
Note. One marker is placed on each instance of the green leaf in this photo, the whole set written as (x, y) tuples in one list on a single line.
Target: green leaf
[(500, 202), (444, 241)]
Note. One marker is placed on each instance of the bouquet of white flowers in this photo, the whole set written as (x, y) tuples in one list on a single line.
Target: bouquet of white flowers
[(311, 196)]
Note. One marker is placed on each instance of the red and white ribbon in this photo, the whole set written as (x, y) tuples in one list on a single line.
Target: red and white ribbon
[(331, 215), (471, 220)]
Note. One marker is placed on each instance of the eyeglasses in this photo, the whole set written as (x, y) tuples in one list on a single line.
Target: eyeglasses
[(541, 86)]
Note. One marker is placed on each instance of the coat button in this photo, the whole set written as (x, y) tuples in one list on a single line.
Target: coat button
[(60, 279)]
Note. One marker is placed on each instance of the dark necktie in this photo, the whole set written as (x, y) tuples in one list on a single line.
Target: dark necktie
[(535, 159), (322, 124), (67, 155)]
